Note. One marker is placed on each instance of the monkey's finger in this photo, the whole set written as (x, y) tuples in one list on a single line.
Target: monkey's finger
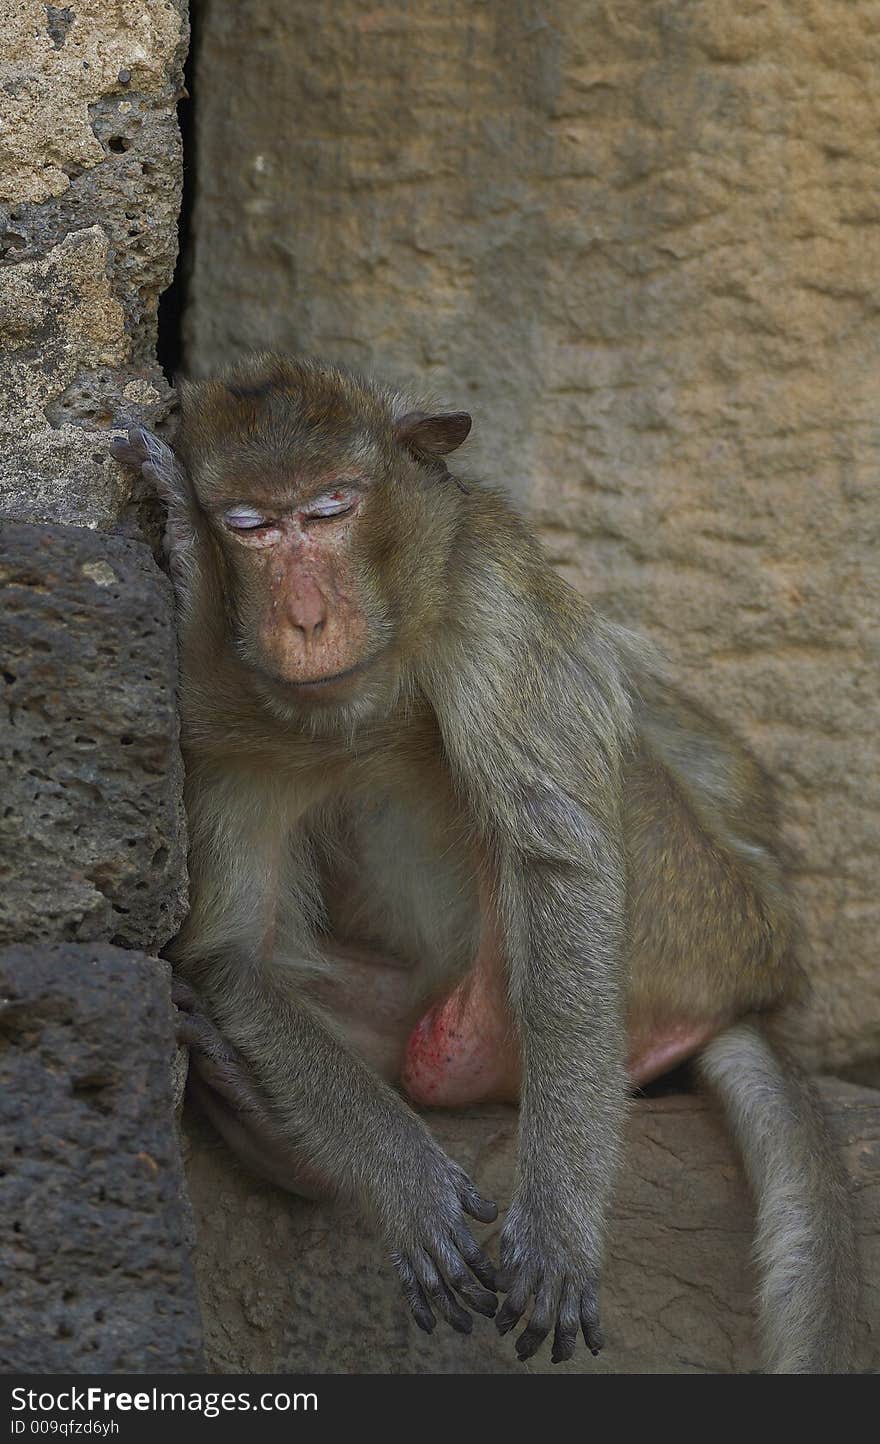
[(219, 1067), (132, 450), (482, 1209), (452, 1311), (203, 1038), (413, 1293), (188, 1031), (459, 1277), (540, 1323), (124, 452), (440, 1296), (565, 1335), (514, 1305), (479, 1265), (145, 453), (183, 996), (480, 1300), (589, 1310)]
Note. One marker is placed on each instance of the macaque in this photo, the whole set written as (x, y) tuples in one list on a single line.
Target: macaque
[(455, 838)]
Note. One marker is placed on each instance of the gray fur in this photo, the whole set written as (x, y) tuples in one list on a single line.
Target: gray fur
[(805, 1245)]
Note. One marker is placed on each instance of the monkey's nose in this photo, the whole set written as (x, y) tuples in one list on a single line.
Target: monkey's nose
[(307, 611)]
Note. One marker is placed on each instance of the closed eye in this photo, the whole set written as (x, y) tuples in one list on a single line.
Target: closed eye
[(244, 518), (334, 503)]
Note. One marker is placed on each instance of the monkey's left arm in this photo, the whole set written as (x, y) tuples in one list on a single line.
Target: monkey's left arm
[(535, 731), (562, 924)]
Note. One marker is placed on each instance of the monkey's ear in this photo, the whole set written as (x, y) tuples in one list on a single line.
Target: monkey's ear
[(436, 435), (143, 451)]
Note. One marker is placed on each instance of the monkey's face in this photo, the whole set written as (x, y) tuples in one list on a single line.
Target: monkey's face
[(328, 529), (305, 609)]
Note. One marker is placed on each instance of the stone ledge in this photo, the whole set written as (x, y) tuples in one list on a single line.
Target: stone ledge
[(288, 1286)]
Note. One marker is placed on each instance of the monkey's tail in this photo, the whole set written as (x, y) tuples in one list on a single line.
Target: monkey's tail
[(805, 1243)]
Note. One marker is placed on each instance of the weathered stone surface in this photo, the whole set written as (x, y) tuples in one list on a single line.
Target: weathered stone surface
[(56, 67), (640, 242), (97, 1276), (59, 317), (92, 838), (288, 1286), (89, 193)]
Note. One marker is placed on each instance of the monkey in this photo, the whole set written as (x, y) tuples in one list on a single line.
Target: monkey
[(456, 837)]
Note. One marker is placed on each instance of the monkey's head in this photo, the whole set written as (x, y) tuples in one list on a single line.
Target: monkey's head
[(329, 516)]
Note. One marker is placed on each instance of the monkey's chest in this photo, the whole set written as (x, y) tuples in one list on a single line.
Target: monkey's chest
[(401, 880)]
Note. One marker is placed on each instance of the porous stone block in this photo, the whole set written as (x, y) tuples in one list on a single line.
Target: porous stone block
[(90, 179), (92, 835), (96, 1271)]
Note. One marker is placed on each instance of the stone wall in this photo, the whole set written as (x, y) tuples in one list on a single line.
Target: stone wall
[(96, 1229), (95, 1250), (640, 243), (90, 175)]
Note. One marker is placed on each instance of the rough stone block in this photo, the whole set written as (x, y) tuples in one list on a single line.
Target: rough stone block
[(288, 1286), (96, 1274), (92, 837), (89, 196)]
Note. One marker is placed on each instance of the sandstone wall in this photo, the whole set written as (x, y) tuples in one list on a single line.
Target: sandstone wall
[(96, 1250), (640, 242)]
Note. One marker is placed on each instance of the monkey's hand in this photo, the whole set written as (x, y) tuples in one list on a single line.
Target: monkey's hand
[(214, 1060), (560, 1273), (143, 452), (432, 1247)]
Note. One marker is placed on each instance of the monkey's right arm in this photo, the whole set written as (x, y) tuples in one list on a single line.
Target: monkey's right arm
[(325, 1109)]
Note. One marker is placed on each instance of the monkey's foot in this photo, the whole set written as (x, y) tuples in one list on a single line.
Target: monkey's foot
[(222, 1084), (463, 1050)]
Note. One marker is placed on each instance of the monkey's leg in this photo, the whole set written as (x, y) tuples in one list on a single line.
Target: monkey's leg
[(655, 1048), (224, 1087)]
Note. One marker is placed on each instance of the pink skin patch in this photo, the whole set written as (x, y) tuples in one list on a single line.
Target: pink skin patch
[(653, 1054), (463, 1051)]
